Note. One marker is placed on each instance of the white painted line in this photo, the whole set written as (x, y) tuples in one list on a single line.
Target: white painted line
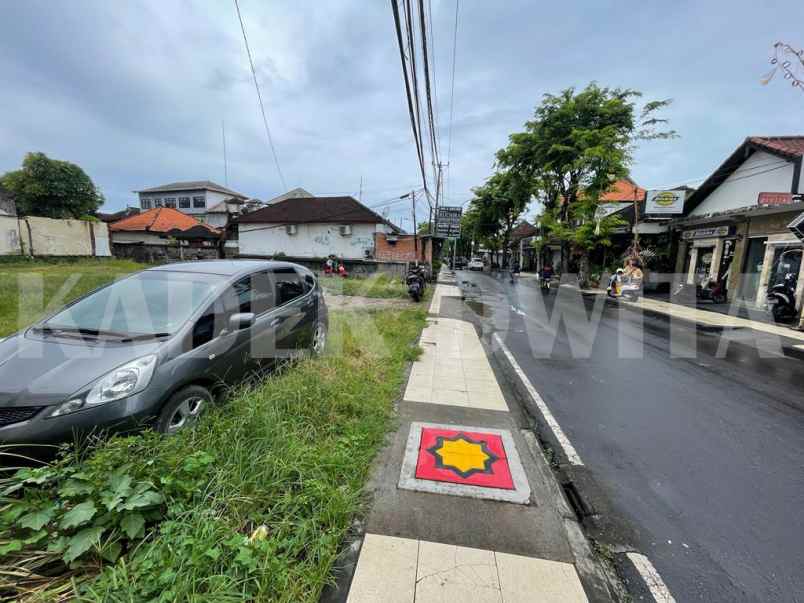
[(799, 347), (563, 440), (658, 589)]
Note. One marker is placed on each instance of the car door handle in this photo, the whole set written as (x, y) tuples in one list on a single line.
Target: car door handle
[(275, 321)]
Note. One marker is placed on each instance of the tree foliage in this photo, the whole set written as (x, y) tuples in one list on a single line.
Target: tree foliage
[(495, 208), (52, 188), (574, 149)]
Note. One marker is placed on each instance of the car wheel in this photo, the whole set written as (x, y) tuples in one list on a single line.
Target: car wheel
[(183, 409), (319, 339)]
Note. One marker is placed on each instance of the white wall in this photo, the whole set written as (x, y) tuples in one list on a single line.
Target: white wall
[(744, 185), (9, 235), (310, 240)]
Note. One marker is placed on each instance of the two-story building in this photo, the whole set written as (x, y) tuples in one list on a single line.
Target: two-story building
[(202, 199)]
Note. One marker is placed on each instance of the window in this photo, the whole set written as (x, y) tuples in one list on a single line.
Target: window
[(184, 202), (146, 203), (170, 202), (288, 285), (199, 202), (309, 283), (158, 202)]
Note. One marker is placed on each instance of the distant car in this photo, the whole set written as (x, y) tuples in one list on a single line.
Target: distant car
[(461, 262), (475, 264), (153, 348)]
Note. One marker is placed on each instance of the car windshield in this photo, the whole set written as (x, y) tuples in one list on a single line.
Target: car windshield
[(148, 303)]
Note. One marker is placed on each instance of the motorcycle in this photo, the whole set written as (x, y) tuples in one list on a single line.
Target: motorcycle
[(416, 282), (708, 290), (544, 283), (782, 299)]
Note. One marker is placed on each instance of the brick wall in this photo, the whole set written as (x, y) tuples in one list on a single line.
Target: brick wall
[(400, 248)]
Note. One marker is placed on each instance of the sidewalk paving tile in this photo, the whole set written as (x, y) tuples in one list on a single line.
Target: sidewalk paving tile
[(386, 570), (397, 570), (453, 369), (476, 462), (530, 579)]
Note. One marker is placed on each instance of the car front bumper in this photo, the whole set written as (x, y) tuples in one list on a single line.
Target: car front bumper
[(127, 414)]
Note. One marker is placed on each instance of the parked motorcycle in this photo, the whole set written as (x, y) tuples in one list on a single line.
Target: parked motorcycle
[(708, 290), (782, 299), (416, 282)]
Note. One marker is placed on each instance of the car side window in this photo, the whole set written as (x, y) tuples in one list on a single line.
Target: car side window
[(209, 325), (308, 280), (288, 285), (262, 288)]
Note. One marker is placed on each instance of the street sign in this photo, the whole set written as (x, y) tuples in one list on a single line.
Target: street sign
[(774, 199), (665, 202), (448, 222)]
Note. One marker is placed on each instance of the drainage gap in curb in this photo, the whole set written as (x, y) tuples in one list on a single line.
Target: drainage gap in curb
[(577, 503)]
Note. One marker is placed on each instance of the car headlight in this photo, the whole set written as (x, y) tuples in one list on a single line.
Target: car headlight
[(122, 382)]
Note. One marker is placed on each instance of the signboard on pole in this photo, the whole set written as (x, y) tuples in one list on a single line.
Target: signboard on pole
[(448, 222), (665, 202)]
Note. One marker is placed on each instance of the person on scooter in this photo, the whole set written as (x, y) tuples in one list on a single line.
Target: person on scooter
[(546, 276), (514, 270)]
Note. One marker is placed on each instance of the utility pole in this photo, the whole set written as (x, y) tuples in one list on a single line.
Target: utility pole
[(360, 196), (415, 226)]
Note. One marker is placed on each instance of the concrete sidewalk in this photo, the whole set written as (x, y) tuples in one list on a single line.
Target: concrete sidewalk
[(465, 507), (705, 317)]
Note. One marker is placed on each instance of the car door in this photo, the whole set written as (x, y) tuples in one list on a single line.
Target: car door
[(291, 309), (217, 352)]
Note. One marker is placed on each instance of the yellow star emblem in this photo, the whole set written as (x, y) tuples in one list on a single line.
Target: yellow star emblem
[(462, 455)]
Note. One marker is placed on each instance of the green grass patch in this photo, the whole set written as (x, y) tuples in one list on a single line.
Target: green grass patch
[(30, 289), (253, 504), (377, 285)]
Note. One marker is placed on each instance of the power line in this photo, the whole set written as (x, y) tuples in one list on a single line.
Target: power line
[(452, 99), (259, 97), (395, 8)]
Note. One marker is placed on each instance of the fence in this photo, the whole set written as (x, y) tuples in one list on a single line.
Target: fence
[(41, 237)]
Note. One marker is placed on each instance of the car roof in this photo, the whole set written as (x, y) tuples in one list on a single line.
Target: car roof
[(222, 267)]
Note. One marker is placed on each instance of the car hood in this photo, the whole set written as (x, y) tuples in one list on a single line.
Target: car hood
[(42, 371)]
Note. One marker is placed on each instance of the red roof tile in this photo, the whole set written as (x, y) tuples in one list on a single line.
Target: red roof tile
[(792, 146), (623, 190), (160, 219)]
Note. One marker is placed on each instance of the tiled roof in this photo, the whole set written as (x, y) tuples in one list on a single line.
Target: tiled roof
[(524, 229), (306, 210), (160, 219), (792, 146), (199, 231), (192, 185), (623, 190)]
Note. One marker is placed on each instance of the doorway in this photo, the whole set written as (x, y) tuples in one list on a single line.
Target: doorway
[(752, 268)]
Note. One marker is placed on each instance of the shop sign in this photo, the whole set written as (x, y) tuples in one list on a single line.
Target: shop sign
[(707, 233), (665, 202), (774, 199)]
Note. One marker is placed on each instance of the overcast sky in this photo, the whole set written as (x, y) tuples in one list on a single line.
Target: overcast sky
[(135, 91)]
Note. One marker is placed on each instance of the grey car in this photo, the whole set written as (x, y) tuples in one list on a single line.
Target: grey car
[(153, 348)]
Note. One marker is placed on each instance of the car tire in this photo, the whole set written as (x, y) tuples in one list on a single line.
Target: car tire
[(183, 409), (319, 344)]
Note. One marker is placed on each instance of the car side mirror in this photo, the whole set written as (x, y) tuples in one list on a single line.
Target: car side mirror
[(240, 321)]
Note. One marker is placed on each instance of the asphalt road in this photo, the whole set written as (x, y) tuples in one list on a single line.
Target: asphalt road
[(694, 458)]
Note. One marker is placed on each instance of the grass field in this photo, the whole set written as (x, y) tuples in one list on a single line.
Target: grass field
[(30, 289), (253, 504), (378, 285)]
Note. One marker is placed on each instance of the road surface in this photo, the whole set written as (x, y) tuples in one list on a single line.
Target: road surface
[(697, 462)]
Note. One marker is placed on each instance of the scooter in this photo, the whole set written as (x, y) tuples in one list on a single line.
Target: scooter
[(628, 288), (782, 299), (708, 290), (416, 282)]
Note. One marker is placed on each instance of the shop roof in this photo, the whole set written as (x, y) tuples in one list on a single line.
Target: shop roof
[(160, 219)]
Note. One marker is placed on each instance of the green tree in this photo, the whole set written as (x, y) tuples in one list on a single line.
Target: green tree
[(52, 189), (574, 149), (496, 207)]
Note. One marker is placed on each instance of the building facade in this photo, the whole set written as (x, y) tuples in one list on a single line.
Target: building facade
[(194, 198), (312, 227), (736, 224)]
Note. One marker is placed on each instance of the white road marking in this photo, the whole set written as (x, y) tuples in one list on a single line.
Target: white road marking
[(518, 311), (658, 589), (563, 440)]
